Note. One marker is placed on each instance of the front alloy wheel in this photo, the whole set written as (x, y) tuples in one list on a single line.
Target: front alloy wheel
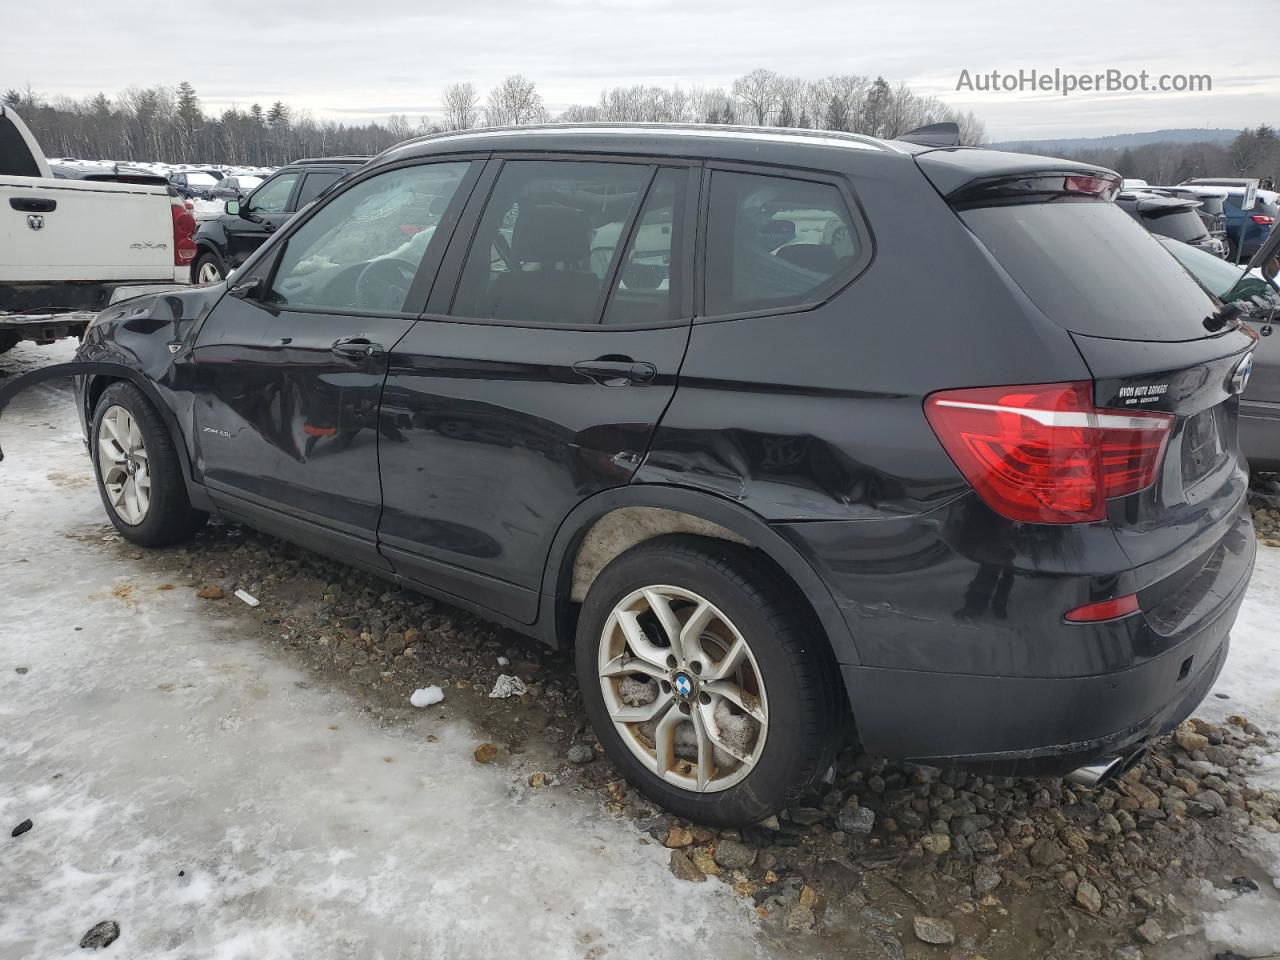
[(683, 689), (124, 465)]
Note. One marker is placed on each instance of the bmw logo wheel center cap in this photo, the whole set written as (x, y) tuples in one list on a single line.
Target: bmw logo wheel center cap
[(684, 685)]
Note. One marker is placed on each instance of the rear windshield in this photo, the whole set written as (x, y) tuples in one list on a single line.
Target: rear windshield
[(1094, 270), (1184, 225)]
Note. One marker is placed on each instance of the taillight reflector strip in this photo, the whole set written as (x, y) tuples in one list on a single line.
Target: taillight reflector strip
[(1112, 609), (1043, 453)]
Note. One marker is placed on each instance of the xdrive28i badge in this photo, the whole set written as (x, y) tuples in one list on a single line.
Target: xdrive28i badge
[(1240, 378)]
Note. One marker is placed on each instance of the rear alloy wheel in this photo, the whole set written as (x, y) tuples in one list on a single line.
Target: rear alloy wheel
[(693, 709), (707, 679)]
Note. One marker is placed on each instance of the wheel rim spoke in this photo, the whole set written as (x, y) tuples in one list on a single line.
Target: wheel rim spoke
[(730, 691), (690, 637), (706, 718), (644, 714), (706, 764), (623, 666), (638, 640), (665, 742), (729, 662)]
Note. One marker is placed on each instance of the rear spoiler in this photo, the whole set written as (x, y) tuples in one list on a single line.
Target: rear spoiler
[(976, 177)]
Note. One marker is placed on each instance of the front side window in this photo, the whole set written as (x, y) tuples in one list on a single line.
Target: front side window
[(362, 250), (775, 242), (547, 239), (273, 196)]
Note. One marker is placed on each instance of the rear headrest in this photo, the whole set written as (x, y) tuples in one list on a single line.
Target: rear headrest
[(810, 256), (551, 234)]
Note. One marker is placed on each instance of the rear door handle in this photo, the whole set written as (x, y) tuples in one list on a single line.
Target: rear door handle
[(616, 373), (358, 348), (269, 227)]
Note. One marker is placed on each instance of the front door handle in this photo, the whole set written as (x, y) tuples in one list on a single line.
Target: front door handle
[(269, 227), (616, 372), (358, 348)]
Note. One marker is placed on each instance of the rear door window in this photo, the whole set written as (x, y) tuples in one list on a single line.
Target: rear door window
[(545, 246), (315, 184), (1093, 269), (776, 243), (648, 282)]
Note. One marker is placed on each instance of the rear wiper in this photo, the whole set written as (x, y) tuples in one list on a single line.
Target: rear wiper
[(1224, 315)]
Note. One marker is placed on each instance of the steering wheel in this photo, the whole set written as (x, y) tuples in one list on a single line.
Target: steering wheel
[(384, 284)]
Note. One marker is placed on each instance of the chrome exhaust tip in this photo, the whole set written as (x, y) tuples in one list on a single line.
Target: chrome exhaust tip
[(1096, 773)]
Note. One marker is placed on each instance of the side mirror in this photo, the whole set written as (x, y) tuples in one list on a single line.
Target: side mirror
[(251, 289), (232, 207)]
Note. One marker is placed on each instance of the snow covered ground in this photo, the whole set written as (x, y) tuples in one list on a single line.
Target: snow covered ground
[(192, 787)]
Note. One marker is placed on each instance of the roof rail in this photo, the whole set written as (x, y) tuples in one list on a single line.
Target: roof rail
[(603, 125)]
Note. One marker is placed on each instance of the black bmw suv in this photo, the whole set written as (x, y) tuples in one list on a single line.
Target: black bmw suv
[(224, 242), (707, 406)]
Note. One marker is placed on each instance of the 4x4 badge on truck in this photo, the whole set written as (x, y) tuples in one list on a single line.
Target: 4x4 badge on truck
[(35, 221)]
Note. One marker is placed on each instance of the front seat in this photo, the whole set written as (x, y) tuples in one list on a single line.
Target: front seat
[(550, 280)]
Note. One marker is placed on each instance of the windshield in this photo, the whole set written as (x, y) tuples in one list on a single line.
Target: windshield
[(1094, 270)]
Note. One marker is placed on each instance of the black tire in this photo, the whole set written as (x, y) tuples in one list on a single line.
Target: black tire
[(806, 708), (8, 340), (208, 259), (169, 518)]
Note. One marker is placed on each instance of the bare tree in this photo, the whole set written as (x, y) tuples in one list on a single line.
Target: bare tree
[(514, 101), (758, 91), (461, 106)]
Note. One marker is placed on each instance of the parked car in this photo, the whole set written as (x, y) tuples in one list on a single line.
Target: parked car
[(1256, 295), (1172, 217), (193, 184), (223, 242), (77, 243), (1211, 210), (234, 188), (866, 436), (1253, 225)]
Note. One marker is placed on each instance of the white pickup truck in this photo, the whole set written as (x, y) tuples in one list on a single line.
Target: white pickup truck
[(69, 248)]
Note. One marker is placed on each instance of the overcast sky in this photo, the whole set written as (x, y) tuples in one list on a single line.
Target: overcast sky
[(349, 59)]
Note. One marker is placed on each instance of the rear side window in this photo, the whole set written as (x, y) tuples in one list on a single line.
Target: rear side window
[(647, 286), (775, 242), (1093, 269)]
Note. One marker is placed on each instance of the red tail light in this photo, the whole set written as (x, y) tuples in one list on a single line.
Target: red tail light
[(184, 231), (1043, 453), (1262, 218), (1112, 609)]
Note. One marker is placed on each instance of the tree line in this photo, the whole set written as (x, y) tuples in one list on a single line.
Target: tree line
[(170, 125), (1255, 152)]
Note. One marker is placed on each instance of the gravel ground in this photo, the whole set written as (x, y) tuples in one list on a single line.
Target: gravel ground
[(890, 861)]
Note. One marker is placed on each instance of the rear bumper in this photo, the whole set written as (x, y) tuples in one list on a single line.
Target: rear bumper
[(1023, 726)]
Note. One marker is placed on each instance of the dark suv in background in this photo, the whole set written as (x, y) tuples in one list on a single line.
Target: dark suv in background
[(1173, 217), (786, 434), (224, 241)]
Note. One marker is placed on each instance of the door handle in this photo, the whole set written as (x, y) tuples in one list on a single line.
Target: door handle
[(269, 227), (358, 348), (33, 204), (616, 372)]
